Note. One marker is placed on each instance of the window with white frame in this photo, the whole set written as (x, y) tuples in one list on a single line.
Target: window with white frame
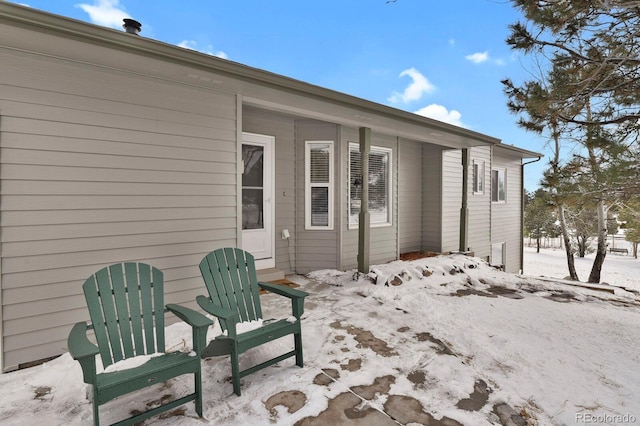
[(498, 185), (319, 185), (478, 177), (379, 179)]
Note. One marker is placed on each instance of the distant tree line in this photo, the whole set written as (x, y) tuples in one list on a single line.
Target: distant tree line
[(541, 221)]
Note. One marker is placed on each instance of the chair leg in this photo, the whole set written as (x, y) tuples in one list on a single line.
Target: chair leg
[(198, 390), (297, 338), (96, 411), (235, 371)]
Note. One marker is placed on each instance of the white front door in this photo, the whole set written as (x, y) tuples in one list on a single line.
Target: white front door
[(258, 210)]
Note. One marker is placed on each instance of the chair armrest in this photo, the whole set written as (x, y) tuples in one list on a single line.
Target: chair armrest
[(198, 322), (283, 291), (296, 296), (228, 318), (79, 345), (191, 317), (215, 310), (83, 350)]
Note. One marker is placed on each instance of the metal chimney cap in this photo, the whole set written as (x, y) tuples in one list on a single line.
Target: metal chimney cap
[(132, 26)]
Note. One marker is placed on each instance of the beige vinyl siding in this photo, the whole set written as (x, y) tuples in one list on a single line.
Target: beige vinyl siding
[(506, 216), (98, 167), (315, 248), (479, 227), (451, 199), (283, 129), (410, 196), (432, 162), (383, 239), (479, 205)]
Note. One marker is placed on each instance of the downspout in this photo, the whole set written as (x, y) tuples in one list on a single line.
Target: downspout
[(464, 210), (522, 211), (364, 219)]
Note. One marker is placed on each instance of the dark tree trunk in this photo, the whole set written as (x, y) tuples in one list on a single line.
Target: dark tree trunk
[(567, 245), (596, 269), (582, 246)]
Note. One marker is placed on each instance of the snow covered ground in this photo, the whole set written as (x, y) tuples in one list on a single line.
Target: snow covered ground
[(618, 269), (449, 341)]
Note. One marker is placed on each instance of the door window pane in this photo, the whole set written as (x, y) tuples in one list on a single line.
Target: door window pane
[(253, 160), (252, 187), (252, 209)]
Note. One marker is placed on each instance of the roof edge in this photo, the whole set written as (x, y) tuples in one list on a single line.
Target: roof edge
[(523, 153)]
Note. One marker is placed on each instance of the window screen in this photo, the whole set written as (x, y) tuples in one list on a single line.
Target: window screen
[(319, 193), (379, 185)]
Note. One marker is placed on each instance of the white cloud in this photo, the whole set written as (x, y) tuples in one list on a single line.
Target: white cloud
[(108, 13), (192, 45), (440, 113), (478, 57), (414, 91)]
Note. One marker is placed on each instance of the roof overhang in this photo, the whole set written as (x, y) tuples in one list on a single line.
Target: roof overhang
[(519, 152)]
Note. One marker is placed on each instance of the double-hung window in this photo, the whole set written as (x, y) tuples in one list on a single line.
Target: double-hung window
[(478, 177), (319, 185), (380, 177), (498, 186)]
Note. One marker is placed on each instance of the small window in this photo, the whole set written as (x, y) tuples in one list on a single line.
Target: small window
[(498, 185), (478, 177), (319, 185), (379, 185)]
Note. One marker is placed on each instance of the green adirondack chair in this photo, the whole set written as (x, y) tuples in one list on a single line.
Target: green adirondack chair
[(230, 277), (126, 306)]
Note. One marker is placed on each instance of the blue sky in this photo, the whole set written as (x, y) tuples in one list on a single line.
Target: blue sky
[(441, 59)]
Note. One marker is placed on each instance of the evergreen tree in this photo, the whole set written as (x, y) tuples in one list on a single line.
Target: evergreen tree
[(588, 91), (539, 219)]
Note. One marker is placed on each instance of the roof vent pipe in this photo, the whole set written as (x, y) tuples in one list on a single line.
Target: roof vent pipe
[(132, 26)]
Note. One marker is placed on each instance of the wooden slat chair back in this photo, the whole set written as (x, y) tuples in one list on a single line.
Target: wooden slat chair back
[(126, 310), (126, 307), (231, 281)]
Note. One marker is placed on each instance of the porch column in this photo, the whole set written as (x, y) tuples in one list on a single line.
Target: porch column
[(364, 220), (464, 209)]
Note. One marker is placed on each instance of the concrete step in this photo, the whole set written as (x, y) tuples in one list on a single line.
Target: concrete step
[(271, 274)]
